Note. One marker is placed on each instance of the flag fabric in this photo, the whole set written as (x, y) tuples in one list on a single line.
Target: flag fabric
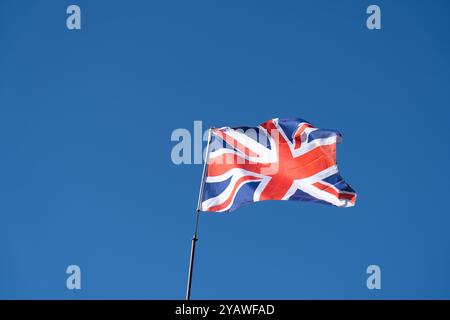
[(281, 159)]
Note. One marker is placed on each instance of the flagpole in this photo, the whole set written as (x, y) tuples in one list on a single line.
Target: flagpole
[(199, 203)]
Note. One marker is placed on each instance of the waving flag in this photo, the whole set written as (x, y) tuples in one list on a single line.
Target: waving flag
[(281, 159)]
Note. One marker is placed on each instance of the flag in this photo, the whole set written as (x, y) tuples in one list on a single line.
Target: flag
[(281, 159)]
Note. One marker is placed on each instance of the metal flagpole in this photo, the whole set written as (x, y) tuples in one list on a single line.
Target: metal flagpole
[(199, 203)]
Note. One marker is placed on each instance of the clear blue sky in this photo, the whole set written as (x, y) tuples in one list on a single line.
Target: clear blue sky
[(86, 176)]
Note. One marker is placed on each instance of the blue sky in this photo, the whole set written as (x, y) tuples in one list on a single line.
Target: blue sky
[(86, 176)]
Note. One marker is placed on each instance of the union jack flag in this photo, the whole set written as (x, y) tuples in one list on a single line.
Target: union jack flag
[(281, 159)]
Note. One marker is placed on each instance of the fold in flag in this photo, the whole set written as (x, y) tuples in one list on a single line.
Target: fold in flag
[(281, 159)]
